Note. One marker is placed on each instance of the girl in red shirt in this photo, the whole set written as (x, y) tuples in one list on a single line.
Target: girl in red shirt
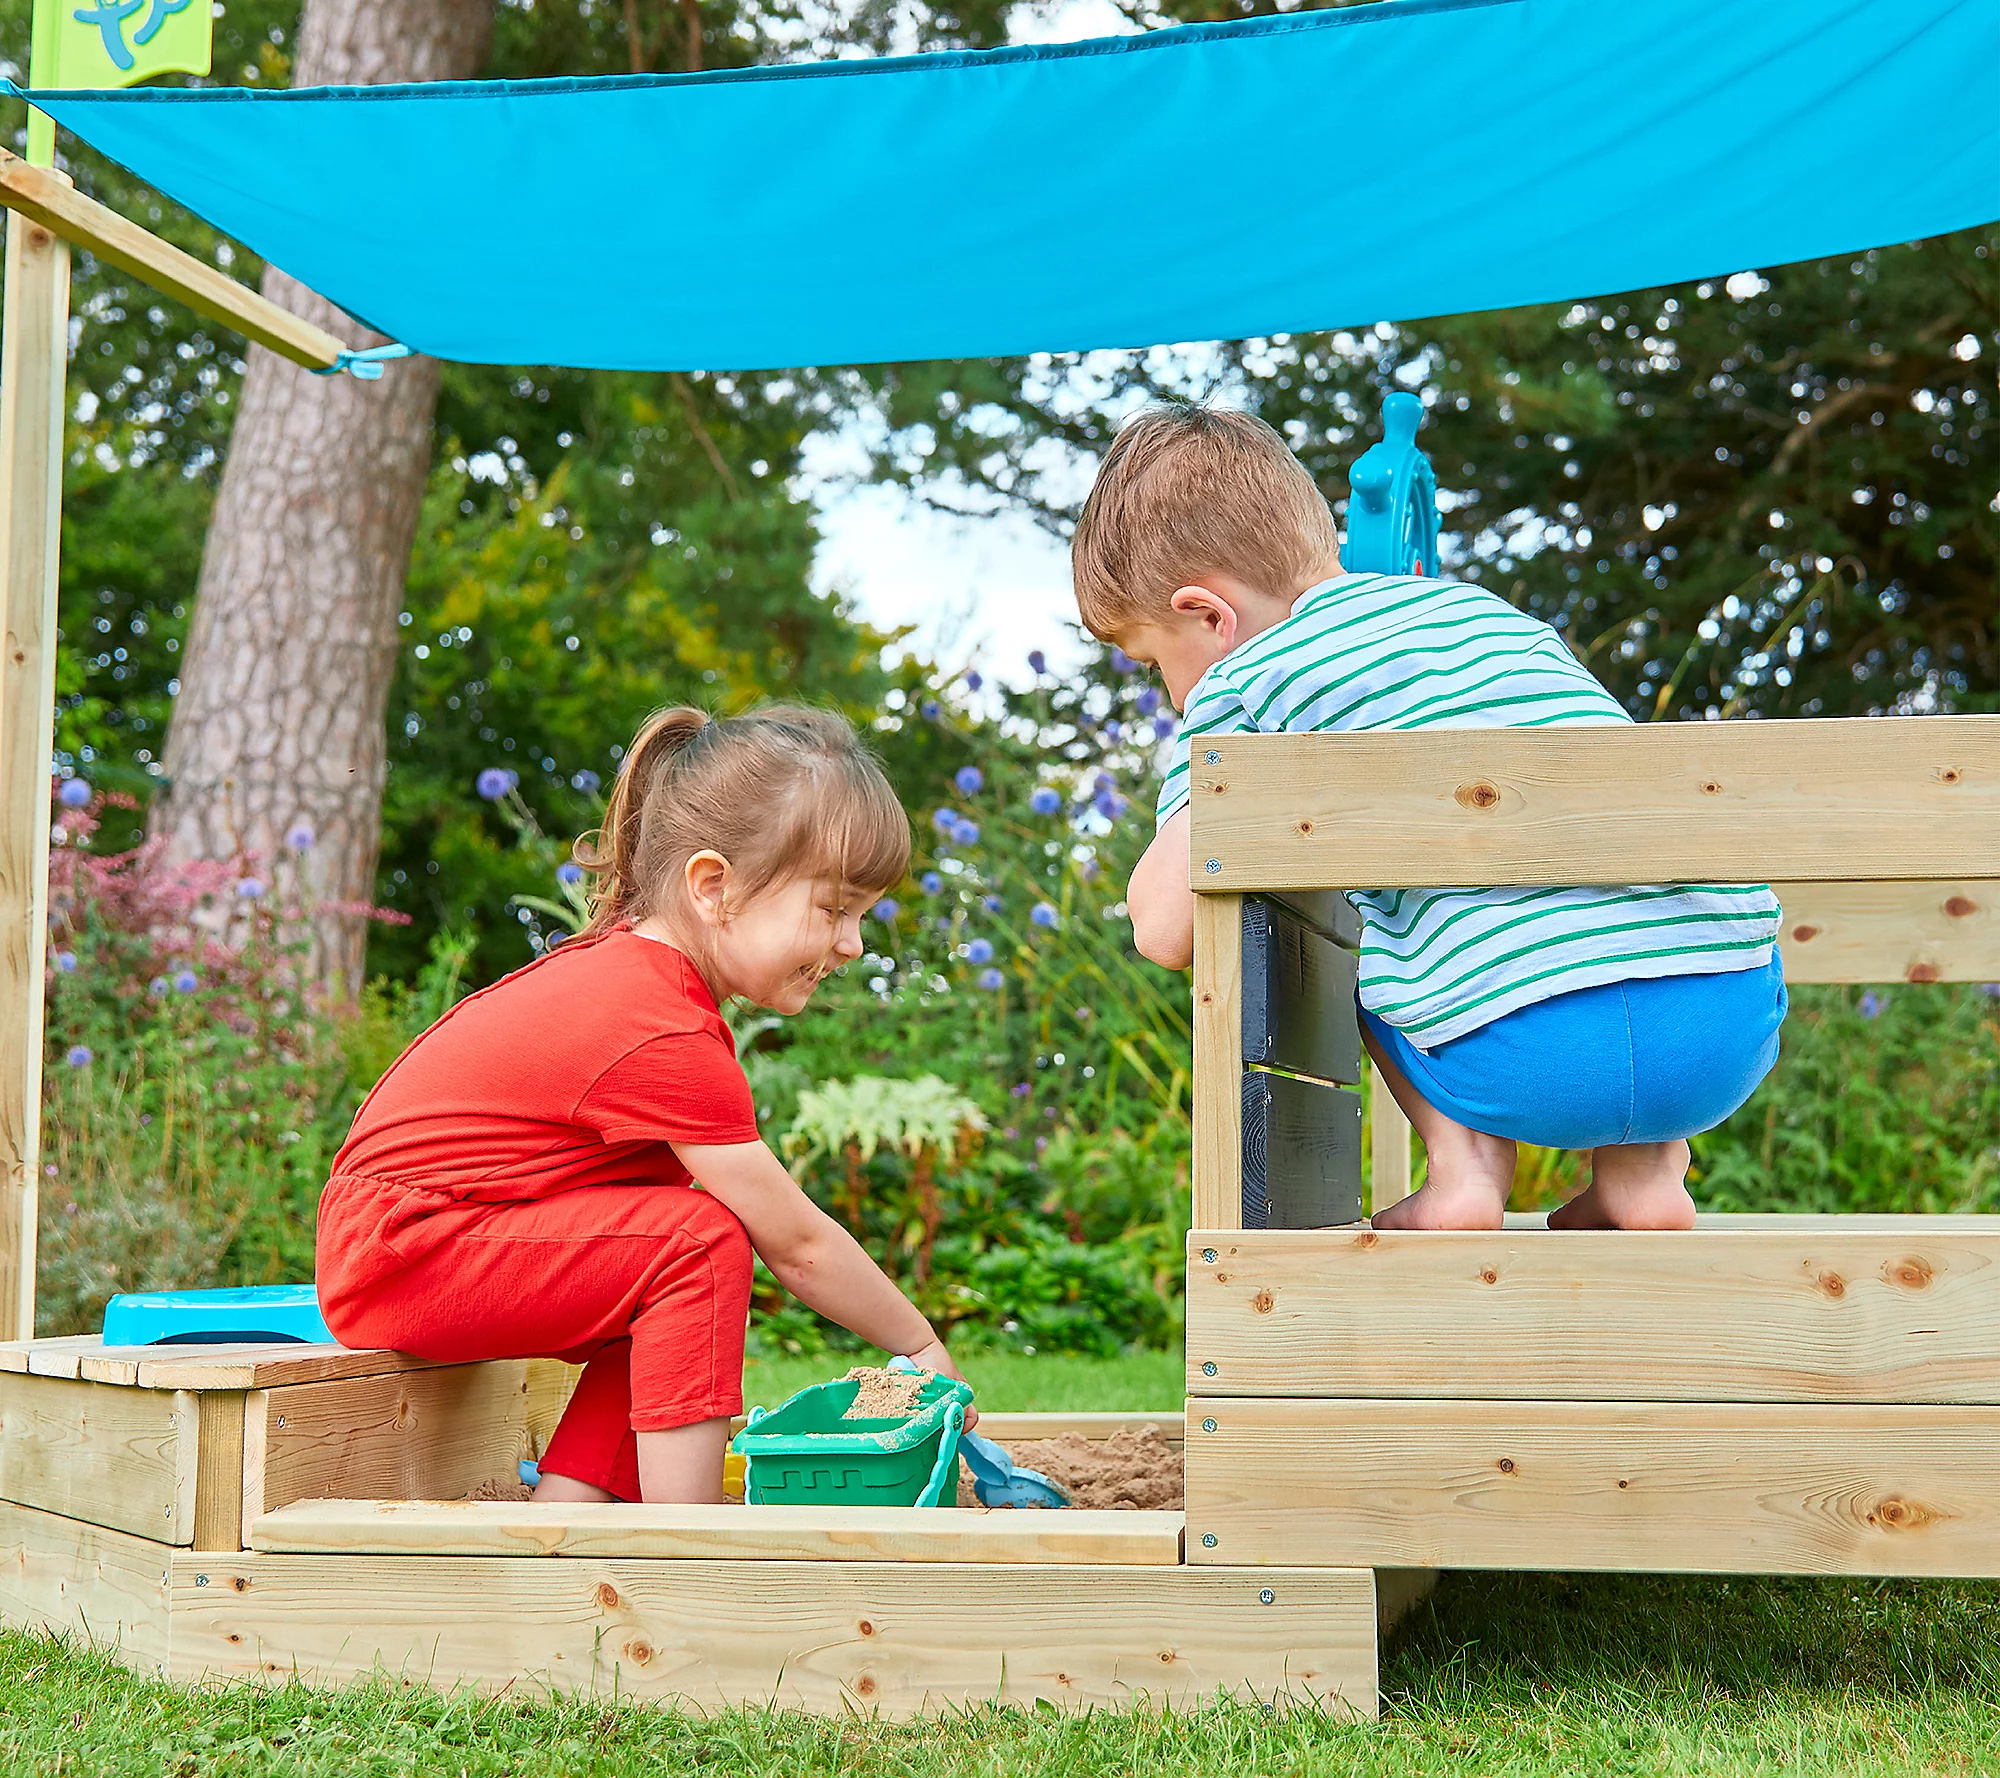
[(567, 1163)]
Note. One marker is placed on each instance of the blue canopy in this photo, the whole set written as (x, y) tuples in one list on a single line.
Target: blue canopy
[(1317, 170)]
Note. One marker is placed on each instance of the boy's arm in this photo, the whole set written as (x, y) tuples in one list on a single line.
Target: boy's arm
[(1159, 900), (811, 1255)]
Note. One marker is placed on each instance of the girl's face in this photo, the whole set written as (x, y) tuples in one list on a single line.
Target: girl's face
[(777, 948)]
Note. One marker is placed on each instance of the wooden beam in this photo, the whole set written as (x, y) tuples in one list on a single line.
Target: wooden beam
[(1698, 1488), (1890, 932), (106, 1589), (218, 1481), (755, 1533), (1389, 1146), (1831, 799), (1217, 1164), (34, 360), (895, 1638), (1301, 1153), (122, 1458), (1813, 1308), (47, 199)]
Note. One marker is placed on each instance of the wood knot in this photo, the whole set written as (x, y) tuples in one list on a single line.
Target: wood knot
[(1368, 1238), (1506, 1466), (865, 1685), (1305, 830), (607, 1595), (1911, 1274), (1478, 795), (1921, 972), (1711, 788), (1263, 1302), (1487, 1275), (1166, 1657), (1217, 789), (1804, 934), (1950, 775), (1222, 1277), (1961, 905), (1623, 1483), (1832, 1283), (865, 1627), (240, 1584), (638, 1653), (1893, 1514)]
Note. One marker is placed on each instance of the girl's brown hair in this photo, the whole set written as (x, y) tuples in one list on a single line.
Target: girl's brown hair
[(781, 792)]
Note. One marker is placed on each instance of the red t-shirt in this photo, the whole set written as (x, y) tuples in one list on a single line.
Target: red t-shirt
[(578, 1070)]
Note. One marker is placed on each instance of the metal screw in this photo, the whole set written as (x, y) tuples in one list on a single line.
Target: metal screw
[(1208, 1540), (1212, 757), (1208, 1369), (1208, 1426), (1208, 1255), (1267, 1597), (201, 1580), (281, 1419), (1213, 866), (168, 1510)]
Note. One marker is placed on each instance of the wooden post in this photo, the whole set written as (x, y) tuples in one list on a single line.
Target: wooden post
[(1389, 1145), (1218, 1061), (34, 364)]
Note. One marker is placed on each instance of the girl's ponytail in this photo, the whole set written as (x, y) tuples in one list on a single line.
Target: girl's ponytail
[(611, 854)]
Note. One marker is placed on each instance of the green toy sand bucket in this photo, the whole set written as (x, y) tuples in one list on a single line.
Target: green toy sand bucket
[(806, 1454)]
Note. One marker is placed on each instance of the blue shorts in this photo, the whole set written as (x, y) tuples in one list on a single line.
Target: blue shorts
[(1643, 1061)]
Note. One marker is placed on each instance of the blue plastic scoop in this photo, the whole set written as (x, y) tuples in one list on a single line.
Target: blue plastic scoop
[(995, 1479)]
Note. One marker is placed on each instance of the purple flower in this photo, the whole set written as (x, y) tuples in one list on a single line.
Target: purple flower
[(73, 794), (66, 962), (1045, 801), (249, 888), (1089, 870), (970, 780), (944, 820), (930, 709), (79, 1056), (1114, 730), (300, 837), (966, 833), (1044, 914), (587, 782), (1109, 804), (1148, 700), (1038, 662), (886, 911), (1019, 1092), (186, 981), (931, 883), (973, 681), (1041, 1146), (1990, 989), (1870, 1006), (991, 903), (569, 873), (980, 950), (157, 987), (1121, 662), (1164, 725), (495, 782), (989, 979)]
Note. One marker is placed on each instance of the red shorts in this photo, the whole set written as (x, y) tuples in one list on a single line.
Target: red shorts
[(646, 1286)]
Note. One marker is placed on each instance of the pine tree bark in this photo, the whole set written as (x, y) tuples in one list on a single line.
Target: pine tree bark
[(277, 725)]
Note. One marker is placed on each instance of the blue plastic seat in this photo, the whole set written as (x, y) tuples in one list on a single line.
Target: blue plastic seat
[(211, 1317)]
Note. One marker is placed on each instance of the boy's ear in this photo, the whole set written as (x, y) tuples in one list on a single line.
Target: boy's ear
[(1215, 612), (707, 879)]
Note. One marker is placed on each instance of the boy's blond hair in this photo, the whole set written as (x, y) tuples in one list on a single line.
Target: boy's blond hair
[(1186, 491)]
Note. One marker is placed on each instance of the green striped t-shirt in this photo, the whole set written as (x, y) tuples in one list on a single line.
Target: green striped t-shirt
[(1379, 651)]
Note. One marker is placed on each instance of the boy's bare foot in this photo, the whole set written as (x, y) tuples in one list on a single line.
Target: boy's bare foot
[(1637, 1185), (1471, 1174)]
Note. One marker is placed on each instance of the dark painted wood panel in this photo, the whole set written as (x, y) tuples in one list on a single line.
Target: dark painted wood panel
[(1301, 1153), (1298, 997)]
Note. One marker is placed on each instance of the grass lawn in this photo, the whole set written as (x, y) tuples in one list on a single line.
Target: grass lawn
[(1493, 1674)]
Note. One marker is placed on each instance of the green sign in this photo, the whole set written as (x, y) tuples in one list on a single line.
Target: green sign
[(110, 43)]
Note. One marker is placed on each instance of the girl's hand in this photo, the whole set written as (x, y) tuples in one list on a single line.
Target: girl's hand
[(933, 1357)]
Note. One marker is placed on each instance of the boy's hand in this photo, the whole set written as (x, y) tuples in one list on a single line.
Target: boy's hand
[(933, 1357), (1160, 901)]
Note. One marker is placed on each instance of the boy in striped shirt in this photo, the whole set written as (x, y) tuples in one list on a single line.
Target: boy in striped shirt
[(1617, 1020)]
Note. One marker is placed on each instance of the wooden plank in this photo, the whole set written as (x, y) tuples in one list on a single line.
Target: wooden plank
[(1890, 932), (1301, 1153), (267, 1366), (1888, 1309), (34, 358), (423, 1435), (49, 200), (1679, 1487), (1398, 1592), (894, 1638), (1006, 1429), (1325, 911), (218, 1482), (1389, 1145), (1217, 1163), (1855, 799), (105, 1588), (59, 1357), (1298, 997), (122, 1458), (756, 1533)]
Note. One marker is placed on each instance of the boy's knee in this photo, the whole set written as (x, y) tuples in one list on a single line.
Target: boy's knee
[(713, 1225)]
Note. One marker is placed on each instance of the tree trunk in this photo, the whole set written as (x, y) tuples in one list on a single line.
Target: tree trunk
[(277, 727)]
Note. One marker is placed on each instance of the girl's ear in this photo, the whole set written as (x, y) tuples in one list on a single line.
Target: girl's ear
[(707, 880)]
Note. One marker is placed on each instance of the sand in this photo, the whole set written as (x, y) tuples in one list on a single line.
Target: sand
[(1131, 1470), (884, 1395)]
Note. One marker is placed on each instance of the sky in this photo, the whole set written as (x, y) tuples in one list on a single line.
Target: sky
[(982, 591)]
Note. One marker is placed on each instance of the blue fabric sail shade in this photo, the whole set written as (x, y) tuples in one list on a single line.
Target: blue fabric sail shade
[(1318, 170)]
